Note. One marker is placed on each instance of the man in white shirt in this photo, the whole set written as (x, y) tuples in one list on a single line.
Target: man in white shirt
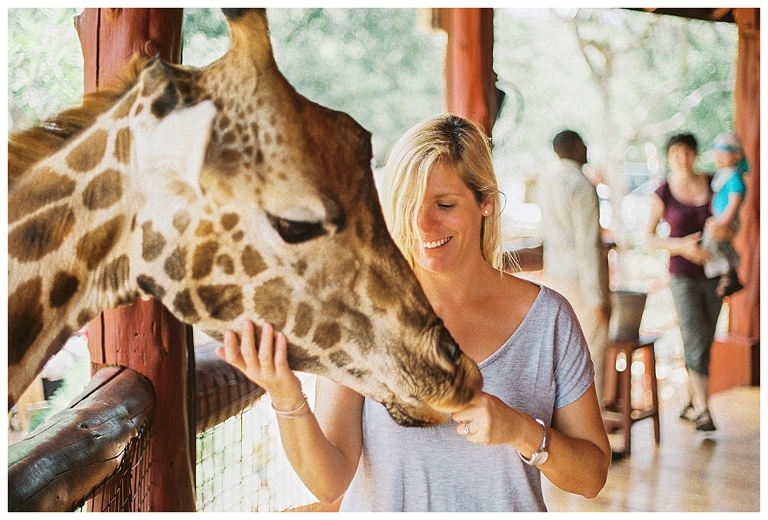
[(574, 263)]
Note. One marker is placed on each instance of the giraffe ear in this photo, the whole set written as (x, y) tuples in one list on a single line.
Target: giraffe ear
[(176, 146)]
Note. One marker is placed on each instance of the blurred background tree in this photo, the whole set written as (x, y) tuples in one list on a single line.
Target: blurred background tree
[(45, 65), (378, 65)]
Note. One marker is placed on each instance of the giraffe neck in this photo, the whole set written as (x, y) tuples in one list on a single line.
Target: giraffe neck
[(76, 224)]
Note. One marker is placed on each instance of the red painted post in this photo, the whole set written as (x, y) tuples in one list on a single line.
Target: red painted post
[(145, 336)]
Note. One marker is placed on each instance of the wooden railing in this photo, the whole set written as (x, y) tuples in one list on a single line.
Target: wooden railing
[(65, 462)]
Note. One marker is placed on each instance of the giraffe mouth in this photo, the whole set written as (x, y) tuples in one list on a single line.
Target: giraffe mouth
[(416, 417)]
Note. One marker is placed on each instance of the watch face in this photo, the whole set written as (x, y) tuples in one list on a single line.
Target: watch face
[(538, 458)]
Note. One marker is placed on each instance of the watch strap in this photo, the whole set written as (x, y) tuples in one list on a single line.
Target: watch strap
[(540, 456)]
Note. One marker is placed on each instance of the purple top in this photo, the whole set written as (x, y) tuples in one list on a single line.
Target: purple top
[(683, 220)]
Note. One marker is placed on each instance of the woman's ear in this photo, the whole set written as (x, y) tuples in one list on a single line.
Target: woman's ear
[(487, 207)]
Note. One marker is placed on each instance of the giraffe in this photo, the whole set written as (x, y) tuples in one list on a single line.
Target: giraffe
[(278, 221)]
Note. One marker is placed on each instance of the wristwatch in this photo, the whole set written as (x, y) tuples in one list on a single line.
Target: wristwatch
[(538, 458)]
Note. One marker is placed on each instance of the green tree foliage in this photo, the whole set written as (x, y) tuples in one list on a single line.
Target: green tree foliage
[(378, 65), (658, 73), (623, 79), (45, 65)]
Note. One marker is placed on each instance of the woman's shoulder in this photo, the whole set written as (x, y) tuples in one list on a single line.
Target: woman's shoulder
[(536, 298), (662, 190)]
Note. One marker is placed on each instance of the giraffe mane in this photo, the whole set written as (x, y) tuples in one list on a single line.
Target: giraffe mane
[(29, 146)]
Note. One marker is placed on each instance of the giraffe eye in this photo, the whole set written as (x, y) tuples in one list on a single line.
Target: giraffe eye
[(296, 231)]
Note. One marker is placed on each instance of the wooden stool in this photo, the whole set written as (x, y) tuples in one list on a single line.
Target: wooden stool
[(617, 389)]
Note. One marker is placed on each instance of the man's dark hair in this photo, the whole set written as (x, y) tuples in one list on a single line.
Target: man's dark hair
[(565, 143), (685, 139)]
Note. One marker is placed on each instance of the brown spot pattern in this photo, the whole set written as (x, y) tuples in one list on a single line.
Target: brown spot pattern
[(303, 319), (86, 315), (25, 318), (229, 221), (202, 259), (115, 274), (253, 263), (181, 221), (360, 327), (150, 286), (327, 335), (300, 359), (185, 307), (63, 289), (204, 228), (48, 187), (272, 302), (300, 267), (42, 235), (123, 143), (176, 264), (94, 246), (104, 190), (152, 243), (340, 358), (123, 108), (226, 264), (88, 154), (223, 302)]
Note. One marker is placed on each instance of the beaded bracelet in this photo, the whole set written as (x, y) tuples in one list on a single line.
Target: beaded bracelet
[(294, 414)]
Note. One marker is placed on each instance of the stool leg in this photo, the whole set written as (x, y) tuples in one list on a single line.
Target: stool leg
[(609, 379), (650, 366), (625, 401)]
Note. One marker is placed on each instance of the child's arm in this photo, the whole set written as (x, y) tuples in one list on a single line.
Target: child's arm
[(720, 227), (726, 218)]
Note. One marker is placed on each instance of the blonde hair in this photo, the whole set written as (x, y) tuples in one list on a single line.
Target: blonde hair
[(449, 140)]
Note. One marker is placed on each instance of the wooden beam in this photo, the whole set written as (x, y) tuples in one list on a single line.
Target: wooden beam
[(57, 466)]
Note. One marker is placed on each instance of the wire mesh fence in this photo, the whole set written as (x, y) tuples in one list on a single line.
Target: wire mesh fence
[(127, 490), (241, 466)]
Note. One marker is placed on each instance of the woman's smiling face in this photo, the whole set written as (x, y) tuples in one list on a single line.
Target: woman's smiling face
[(449, 222)]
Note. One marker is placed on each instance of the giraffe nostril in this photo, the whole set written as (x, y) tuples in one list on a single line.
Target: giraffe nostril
[(451, 349)]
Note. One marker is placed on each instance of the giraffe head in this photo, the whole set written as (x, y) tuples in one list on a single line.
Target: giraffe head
[(281, 223), (288, 200)]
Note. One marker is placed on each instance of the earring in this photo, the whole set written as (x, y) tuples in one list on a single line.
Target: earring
[(485, 213)]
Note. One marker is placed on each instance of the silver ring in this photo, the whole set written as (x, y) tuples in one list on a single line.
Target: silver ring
[(466, 428)]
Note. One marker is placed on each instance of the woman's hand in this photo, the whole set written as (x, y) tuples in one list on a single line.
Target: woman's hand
[(486, 420), (689, 248), (266, 366), (718, 230)]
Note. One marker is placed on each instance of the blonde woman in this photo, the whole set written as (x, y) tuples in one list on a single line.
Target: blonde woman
[(538, 412)]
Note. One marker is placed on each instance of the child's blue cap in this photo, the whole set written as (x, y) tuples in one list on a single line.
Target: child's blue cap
[(726, 143)]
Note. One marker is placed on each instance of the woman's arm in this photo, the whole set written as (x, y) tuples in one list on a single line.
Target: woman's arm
[(579, 447), (688, 246), (579, 451), (324, 457)]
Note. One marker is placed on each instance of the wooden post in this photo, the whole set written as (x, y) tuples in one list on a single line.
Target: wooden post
[(744, 319), (470, 79), (145, 336)]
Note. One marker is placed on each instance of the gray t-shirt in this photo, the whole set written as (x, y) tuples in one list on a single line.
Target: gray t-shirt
[(544, 365)]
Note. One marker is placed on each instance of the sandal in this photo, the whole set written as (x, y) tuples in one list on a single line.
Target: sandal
[(729, 283), (704, 422)]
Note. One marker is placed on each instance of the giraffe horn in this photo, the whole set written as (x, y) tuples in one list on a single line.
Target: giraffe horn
[(249, 34)]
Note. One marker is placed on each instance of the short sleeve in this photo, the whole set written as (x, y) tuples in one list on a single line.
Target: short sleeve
[(736, 185), (574, 371)]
